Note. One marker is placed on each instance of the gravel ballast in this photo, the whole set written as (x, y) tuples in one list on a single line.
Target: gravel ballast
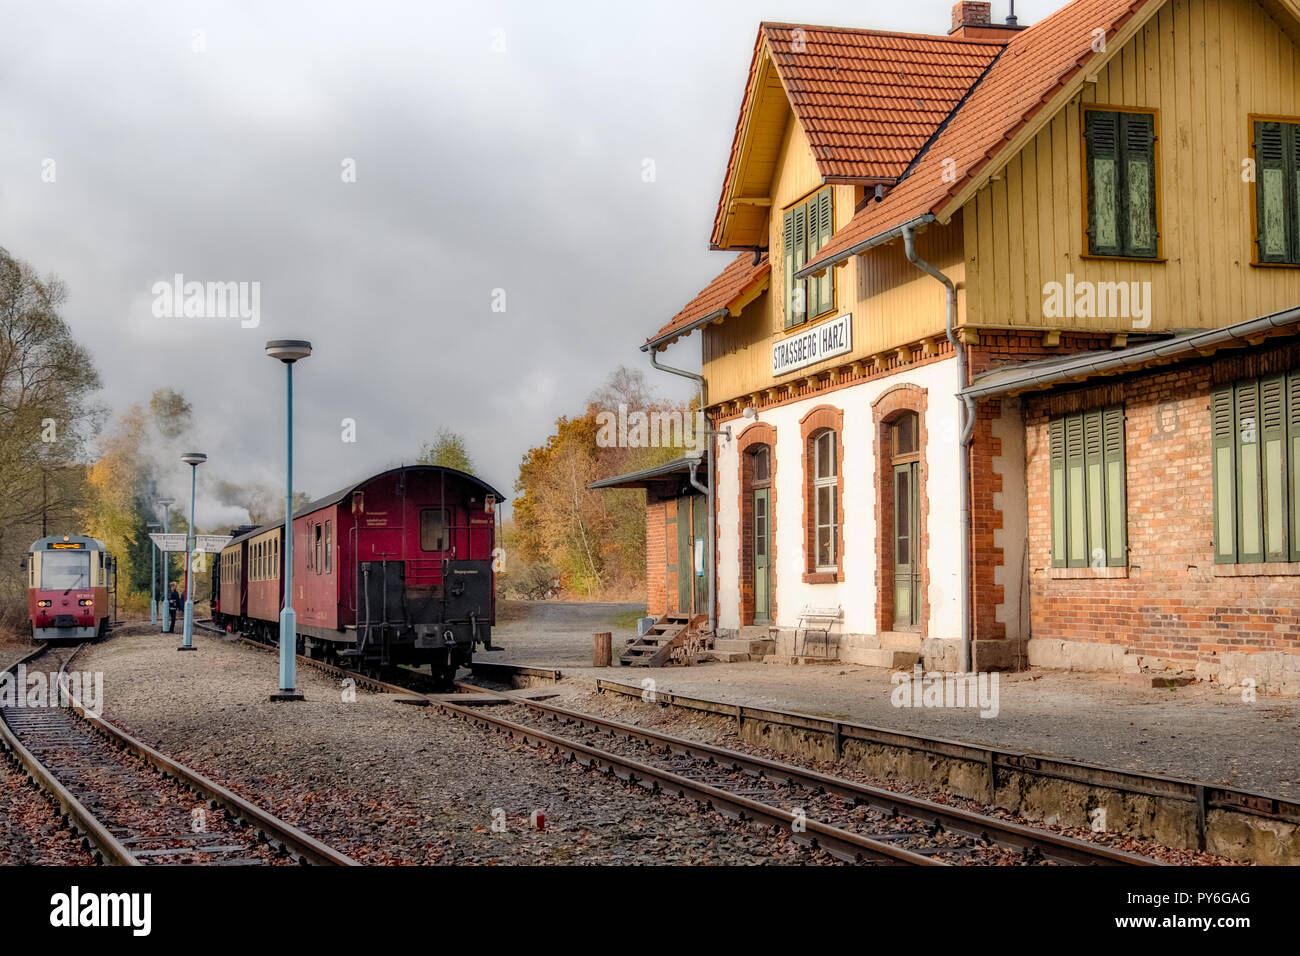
[(390, 783)]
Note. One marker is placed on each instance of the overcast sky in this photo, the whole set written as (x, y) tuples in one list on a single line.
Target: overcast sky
[(210, 140)]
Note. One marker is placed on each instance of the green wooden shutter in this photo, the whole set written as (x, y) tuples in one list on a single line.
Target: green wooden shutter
[(1102, 135), (1076, 498), (1223, 449), (787, 237), (1057, 432), (824, 226), (1095, 488), (1274, 212), (1250, 509), (1293, 459), (800, 260), (1112, 426), (1138, 199), (1273, 438)]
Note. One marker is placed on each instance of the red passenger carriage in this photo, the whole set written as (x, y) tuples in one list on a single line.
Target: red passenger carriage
[(394, 569)]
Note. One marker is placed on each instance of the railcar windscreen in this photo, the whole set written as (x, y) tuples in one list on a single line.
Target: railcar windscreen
[(64, 570)]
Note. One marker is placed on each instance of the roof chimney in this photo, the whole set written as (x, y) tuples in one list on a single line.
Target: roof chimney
[(973, 20), (971, 14)]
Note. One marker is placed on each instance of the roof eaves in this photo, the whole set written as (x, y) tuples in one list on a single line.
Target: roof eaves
[(879, 239), (678, 466), (668, 338), (1095, 364)]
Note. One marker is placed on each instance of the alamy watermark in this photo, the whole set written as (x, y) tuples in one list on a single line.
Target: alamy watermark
[(935, 689), (37, 689), (1083, 299), (668, 428), (208, 300)]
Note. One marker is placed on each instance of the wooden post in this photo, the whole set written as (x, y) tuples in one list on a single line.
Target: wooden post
[(601, 650)]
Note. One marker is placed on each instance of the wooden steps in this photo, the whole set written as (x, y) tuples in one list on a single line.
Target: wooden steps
[(655, 647)]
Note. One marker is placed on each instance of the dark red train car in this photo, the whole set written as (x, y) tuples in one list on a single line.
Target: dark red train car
[(394, 569), (230, 579)]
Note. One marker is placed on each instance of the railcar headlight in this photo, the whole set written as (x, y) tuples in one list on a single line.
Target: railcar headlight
[(44, 603), (86, 602)]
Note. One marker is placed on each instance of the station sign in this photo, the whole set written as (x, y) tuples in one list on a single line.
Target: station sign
[(168, 542), (813, 345), (203, 543)]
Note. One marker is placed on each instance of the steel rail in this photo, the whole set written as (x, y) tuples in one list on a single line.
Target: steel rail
[(306, 848), (108, 849), (851, 847), (1052, 846)]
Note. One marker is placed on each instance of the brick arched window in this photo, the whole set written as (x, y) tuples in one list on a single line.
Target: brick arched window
[(823, 493), (757, 447)]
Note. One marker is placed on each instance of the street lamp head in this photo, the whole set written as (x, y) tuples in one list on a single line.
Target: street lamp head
[(153, 524), (166, 502), (194, 458), (288, 351)]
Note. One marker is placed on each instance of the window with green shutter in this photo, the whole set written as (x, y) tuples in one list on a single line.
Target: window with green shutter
[(1255, 449), (1277, 192), (805, 228), (1089, 512), (1121, 177)]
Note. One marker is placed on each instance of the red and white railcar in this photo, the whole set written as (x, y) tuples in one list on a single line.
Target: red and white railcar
[(68, 580)]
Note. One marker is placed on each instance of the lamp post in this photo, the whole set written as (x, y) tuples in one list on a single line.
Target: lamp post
[(166, 504), (288, 351), (193, 459), (153, 574)]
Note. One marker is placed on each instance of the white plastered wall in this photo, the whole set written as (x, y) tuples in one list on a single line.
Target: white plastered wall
[(856, 594)]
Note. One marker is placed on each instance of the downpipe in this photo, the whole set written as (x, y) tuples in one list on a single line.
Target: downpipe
[(711, 571), (967, 432)]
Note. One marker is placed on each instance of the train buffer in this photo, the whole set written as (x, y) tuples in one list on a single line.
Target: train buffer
[(655, 647)]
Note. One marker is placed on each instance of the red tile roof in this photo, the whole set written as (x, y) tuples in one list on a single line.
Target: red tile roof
[(868, 100), (1034, 67), (934, 110), (733, 282)]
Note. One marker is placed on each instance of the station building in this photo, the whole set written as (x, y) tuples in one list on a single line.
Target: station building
[(974, 278)]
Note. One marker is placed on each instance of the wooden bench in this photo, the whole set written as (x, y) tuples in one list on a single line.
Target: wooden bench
[(817, 620)]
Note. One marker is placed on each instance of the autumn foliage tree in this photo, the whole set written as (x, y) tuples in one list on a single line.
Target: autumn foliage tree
[(594, 539), (46, 416), (136, 459)]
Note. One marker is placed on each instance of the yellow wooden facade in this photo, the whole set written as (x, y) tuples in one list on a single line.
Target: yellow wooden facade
[(1206, 67)]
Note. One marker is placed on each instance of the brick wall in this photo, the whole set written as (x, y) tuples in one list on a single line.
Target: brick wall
[(1173, 604), (656, 564), (1000, 349)]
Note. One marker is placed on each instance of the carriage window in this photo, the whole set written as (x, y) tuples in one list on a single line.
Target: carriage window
[(63, 570), (329, 548), (316, 549), (274, 571), (433, 529)]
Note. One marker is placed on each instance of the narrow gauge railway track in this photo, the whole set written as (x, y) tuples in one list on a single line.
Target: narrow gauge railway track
[(842, 808), (850, 820), (133, 805)]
